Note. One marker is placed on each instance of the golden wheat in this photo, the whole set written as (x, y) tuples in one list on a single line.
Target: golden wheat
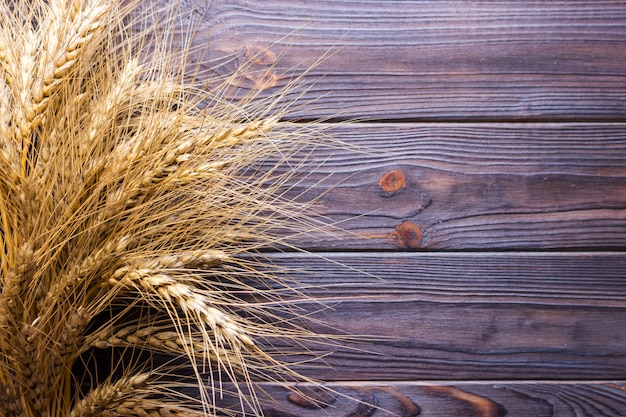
[(110, 396), (127, 214)]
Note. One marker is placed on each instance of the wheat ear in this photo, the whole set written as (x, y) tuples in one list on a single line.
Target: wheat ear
[(109, 397), (164, 289)]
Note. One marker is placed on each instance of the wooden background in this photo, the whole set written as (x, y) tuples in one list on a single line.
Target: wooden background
[(481, 211)]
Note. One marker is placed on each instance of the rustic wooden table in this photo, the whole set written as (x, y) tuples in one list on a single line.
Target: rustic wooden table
[(481, 211)]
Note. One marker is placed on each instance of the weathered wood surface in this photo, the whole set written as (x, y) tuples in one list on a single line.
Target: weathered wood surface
[(469, 315), (430, 60), (494, 126), (485, 399), (469, 186)]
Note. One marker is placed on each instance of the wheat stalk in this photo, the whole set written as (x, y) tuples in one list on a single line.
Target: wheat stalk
[(127, 212)]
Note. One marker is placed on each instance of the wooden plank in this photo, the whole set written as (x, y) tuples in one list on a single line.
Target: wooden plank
[(467, 315), (426, 60), (468, 186), (462, 399)]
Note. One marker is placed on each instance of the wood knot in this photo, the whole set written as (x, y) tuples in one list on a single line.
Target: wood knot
[(478, 406), (259, 55), (313, 398), (406, 406), (366, 406), (391, 182), (408, 235), (249, 68)]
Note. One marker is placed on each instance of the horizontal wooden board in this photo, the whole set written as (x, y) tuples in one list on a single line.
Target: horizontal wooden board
[(425, 60), (467, 315), (467, 186), (412, 399)]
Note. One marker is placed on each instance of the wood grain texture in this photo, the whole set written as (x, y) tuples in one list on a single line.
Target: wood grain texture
[(427, 60), (468, 315), (469, 186), (495, 126), (412, 399)]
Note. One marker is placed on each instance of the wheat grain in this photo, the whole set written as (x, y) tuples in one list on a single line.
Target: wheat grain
[(163, 339), (6, 64), (67, 37), (70, 342), (13, 299), (186, 260), (152, 408), (108, 397), (10, 404), (166, 290), (69, 281), (106, 109), (159, 338), (44, 65), (29, 365), (176, 153), (65, 41), (23, 74)]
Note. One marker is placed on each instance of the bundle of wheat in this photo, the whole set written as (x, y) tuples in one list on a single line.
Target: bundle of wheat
[(124, 211)]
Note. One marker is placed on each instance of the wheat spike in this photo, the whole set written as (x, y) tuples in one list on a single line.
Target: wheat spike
[(165, 289), (109, 396), (131, 215)]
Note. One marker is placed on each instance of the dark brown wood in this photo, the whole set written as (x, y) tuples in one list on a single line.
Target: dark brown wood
[(468, 315), (469, 186), (412, 399), (426, 60), (482, 331)]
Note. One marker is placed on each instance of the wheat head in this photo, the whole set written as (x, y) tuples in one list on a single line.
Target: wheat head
[(127, 210)]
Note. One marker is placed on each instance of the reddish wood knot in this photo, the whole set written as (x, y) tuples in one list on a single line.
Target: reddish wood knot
[(391, 182), (408, 235), (364, 404), (482, 407), (311, 398), (406, 406), (261, 57)]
